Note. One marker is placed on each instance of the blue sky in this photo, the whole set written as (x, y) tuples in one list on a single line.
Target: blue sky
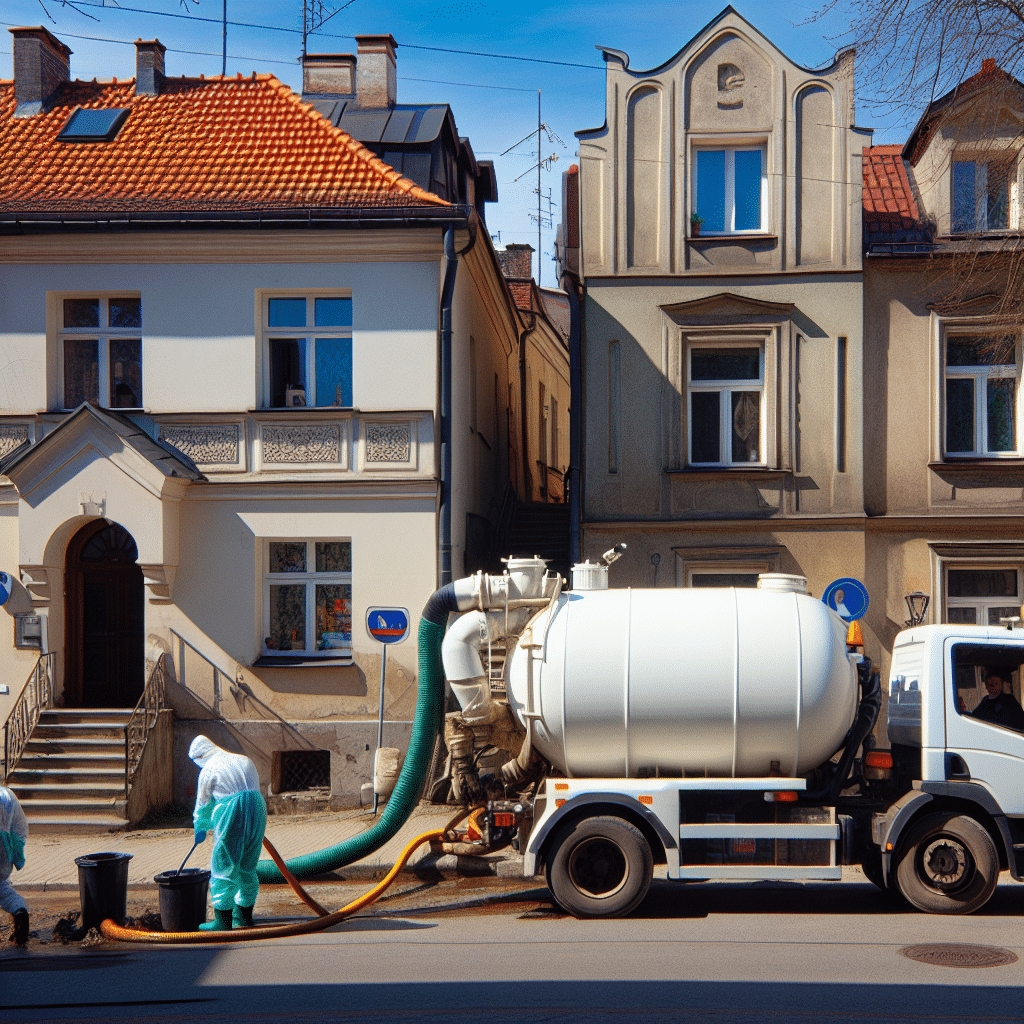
[(494, 99)]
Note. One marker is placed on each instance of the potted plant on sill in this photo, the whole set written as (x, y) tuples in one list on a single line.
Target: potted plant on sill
[(695, 222)]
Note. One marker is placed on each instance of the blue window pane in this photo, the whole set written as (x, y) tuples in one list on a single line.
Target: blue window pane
[(1002, 413), (964, 195), (334, 371), (287, 312), (710, 186), (960, 415), (333, 312), (748, 190), (704, 426)]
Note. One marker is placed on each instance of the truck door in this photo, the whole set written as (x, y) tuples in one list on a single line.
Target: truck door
[(985, 723)]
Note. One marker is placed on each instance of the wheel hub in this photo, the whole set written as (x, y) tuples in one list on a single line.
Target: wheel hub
[(598, 868), (945, 863)]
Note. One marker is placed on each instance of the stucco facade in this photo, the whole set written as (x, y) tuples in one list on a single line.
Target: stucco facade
[(719, 247)]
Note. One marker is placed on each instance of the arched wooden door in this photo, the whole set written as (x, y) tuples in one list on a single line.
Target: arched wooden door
[(104, 604)]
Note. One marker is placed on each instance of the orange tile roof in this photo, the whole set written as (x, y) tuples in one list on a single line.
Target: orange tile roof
[(890, 211), (214, 144)]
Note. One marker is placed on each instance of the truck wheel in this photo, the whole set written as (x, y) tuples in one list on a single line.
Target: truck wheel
[(599, 867), (947, 864)]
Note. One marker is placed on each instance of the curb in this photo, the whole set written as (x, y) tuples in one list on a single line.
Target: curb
[(497, 865)]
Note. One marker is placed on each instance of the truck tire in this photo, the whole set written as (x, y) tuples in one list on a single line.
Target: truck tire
[(871, 865), (599, 867), (947, 864)]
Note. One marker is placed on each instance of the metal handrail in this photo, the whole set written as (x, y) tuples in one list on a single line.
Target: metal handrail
[(142, 720), (35, 697), (217, 672)]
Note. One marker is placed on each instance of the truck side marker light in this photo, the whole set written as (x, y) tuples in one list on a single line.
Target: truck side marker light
[(888, 847), (503, 819), (561, 785), (558, 803), (878, 759), (646, 799), (786, 796)]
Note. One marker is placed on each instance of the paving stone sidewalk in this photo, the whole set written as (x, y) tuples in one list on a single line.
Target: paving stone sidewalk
[(50, 858)]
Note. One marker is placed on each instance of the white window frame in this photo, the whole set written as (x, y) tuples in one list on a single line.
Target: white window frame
[(692, 562), (309, 332), (981, 375), (980, 604), (725, 389), (981, 162), (103, 335), (731, 146), (309, 578)]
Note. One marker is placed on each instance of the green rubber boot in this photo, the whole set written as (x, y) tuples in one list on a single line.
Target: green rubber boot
[(221, 922), (241, 917)]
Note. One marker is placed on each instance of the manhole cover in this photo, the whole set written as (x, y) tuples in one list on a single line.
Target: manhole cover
[(955, 954)]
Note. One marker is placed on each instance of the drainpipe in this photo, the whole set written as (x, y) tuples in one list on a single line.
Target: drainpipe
[(524, 405), (451, 265), (575, 411)]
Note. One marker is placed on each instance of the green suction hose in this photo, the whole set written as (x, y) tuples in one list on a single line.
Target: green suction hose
[(429, 697)]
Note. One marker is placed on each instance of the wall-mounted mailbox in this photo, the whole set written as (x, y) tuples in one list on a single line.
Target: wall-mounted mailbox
[(28, 631)]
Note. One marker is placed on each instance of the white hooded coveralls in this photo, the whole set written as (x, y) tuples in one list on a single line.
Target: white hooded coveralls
[(13, 833), (229, 802)]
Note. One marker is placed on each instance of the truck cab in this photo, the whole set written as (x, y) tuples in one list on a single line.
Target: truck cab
[(956, 729)]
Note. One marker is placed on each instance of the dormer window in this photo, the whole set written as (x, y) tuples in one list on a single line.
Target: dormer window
[(984, 192), (91, 125)]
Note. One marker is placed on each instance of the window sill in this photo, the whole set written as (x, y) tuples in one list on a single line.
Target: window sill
[(733, 472), (968, 463), (301, 661), (751, 236)]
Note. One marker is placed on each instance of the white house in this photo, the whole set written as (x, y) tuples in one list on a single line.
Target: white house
[(235, 349)]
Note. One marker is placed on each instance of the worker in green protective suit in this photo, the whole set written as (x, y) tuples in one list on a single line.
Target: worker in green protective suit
[(228, 801)]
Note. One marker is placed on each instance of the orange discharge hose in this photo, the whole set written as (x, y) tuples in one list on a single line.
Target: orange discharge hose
[(111, 930)]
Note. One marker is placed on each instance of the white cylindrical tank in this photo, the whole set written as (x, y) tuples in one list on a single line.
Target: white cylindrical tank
[(690, 681)]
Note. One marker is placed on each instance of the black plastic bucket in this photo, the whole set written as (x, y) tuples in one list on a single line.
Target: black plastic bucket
[(103, 887), (183, 898)]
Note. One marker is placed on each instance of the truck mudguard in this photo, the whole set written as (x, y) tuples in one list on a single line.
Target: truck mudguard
[(893, 823), (539, 836)]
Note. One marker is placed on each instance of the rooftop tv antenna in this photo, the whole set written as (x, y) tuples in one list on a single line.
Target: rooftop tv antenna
[(543, 164), (316, 14)]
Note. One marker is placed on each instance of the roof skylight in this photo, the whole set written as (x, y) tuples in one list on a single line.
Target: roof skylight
[(90, 125)]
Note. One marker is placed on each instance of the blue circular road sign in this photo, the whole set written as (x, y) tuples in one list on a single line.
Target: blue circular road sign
[(5, 587), (388, 625), (847, 596)]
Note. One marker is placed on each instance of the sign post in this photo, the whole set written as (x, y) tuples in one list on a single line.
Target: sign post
[(388, 626)]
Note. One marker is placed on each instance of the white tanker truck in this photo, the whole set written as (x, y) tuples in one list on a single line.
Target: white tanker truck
[(724, 733)]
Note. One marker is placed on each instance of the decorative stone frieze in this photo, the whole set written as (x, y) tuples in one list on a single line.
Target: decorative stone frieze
[(301, 443), (11, 437), (206, 444), (388, 442)]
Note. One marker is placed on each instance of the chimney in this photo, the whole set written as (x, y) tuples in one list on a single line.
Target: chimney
[(328, 74), (517, 262), (149, 67), (988, 65), (376, 72), (41, 67)]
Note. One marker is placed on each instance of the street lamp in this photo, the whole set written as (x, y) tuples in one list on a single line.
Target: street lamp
[(917, 606)]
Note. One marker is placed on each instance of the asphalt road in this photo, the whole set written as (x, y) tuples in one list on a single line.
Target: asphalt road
[(500, 952)]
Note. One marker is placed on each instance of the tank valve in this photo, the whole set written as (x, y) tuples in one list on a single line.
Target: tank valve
[(613, 554)]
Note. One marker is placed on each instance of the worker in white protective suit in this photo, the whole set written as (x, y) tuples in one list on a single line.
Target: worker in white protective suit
[(13, 833), (228, 801)]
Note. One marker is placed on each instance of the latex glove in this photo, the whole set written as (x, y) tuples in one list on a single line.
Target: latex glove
[(201, 835)]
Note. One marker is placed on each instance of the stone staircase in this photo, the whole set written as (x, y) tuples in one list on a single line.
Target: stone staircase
[(71, 774)]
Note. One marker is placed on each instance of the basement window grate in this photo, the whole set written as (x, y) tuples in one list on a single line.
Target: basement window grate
[(302, 770)]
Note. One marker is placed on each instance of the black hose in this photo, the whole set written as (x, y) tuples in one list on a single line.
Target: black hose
[(867, 716)]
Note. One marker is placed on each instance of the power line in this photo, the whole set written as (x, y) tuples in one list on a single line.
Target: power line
[(329, 35)]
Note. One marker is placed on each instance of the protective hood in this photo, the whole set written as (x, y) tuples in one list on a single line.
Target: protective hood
[(202, 750)]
